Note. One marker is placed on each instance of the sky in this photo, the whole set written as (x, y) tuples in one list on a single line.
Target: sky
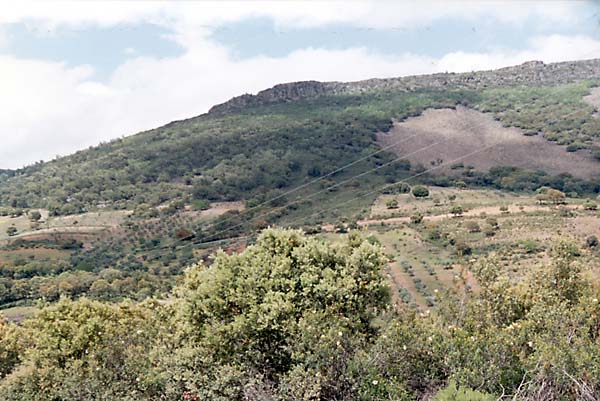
[(75, 74)]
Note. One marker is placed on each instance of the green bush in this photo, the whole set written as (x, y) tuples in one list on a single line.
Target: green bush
[(420, 191), (416, 218)]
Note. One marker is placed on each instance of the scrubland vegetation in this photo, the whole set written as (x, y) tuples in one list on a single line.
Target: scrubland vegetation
[(296, 318), (406, 282)]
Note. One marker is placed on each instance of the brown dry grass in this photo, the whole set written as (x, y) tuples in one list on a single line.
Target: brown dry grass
[(462, 130)]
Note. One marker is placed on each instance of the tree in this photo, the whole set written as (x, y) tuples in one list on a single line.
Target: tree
[(590, 205), (287, 304), (457, 210), (391, 204), (35, 215), (420, 191)]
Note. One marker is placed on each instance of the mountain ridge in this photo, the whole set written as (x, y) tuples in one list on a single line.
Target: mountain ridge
[(531, 72)]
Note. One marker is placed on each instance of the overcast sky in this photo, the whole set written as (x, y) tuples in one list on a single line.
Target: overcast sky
[(75, 74)]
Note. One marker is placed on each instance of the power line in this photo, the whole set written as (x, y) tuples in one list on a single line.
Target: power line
[(396, 183), (331, 173), (201, 242), (325, 189), (379, 188)]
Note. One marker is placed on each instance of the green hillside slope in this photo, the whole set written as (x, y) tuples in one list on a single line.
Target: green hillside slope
[(258, 147), (125, 218)]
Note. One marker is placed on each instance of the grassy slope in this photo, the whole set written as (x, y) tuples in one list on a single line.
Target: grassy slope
[(260, 151)]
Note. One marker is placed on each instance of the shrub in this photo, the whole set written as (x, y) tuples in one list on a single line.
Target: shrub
[(462, 248), (434, 234), (457, 210), (420, 191), (401, 188), (35, 215), (565, 212), (202, 204), (489, 231), (274, 309), (391, 204), (472, 227), (416, 218), (453, 393), (492, 221)]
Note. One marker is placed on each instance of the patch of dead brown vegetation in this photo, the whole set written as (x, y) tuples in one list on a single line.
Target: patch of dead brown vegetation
[(453, 133)]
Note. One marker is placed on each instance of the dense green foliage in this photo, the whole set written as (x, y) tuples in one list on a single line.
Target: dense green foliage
[(249, 154), (558, 112), (254, 154), (294, 318)]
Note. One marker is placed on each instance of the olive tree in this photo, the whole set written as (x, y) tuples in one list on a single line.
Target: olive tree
[(287, 307)]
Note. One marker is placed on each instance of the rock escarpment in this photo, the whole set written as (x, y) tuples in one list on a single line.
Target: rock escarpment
[(530, 73)]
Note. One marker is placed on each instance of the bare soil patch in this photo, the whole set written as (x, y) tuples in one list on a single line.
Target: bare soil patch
[(219, 208), (593, 99), (454, 133)]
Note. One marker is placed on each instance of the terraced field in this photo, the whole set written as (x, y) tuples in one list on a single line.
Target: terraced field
[(426, 258)]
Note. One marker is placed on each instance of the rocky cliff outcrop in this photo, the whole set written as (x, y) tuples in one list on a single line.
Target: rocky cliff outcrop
[(529, 73)]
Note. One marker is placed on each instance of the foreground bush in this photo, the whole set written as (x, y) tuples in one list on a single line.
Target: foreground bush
[(296, 318)]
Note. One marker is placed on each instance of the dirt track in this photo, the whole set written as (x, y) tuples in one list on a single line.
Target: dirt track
[(593, 99), (476, 212)]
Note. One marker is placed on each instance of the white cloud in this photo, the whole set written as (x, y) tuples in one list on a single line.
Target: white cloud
[(4, 39), (376, 14)]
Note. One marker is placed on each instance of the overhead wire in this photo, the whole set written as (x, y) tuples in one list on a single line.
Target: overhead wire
[(302, 199), (205, 242), (316, 180), (404, 156)]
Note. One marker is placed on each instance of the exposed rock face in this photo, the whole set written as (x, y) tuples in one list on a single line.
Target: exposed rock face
[(278, 93), (530, 73)]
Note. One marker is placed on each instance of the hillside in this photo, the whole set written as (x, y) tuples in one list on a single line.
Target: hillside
[(254, 146), (455, 132), (126, 218), (448, 248)]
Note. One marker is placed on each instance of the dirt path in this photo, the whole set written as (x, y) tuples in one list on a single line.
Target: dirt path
[(476, 212), (593, 99)]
